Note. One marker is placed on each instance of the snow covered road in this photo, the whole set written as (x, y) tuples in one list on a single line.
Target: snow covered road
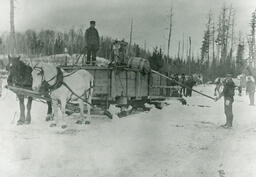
[(176, 141)]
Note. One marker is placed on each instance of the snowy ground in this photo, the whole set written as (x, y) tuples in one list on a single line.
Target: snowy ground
[(177, 141)]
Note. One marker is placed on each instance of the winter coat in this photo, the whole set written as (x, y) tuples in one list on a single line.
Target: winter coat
[(92, 37), (250, 87), (229, 89), (190, 82)]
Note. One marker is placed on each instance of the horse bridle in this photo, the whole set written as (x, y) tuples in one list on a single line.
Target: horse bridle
[(41, 73)]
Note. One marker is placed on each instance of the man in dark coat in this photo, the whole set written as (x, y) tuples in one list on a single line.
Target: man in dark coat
[(250, 90), (92, 43), (183, 89), (190, 83), (228, 93)]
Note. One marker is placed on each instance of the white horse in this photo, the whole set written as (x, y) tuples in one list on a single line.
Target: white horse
[(77, 85)]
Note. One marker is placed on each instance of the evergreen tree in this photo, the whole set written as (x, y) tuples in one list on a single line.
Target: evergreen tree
[(156, 59)]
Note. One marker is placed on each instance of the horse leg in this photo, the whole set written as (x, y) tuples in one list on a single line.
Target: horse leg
[(55, 113), (22, 110), (63, 112), (29, 105), (81, 106), (89, 109), (88, 121), (49, 111)]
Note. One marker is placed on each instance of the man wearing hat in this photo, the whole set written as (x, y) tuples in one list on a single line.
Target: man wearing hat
[(228, 93), (92, 43), (250, 90)]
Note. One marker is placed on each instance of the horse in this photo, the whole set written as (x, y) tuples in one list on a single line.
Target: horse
[(65, 87), (20, 76)]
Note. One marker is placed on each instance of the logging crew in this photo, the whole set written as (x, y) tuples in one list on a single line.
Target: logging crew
[(228, 93), (92, 43), (250, 90)]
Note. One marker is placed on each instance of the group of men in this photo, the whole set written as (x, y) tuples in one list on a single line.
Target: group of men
[(228, 94), (186, 82)]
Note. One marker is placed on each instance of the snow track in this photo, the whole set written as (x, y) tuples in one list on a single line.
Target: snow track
[(175, 141)]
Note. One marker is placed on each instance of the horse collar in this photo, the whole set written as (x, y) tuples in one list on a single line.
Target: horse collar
[(59, 80)]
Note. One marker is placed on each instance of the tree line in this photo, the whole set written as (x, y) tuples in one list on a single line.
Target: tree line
[(51, 42), (222, 49)]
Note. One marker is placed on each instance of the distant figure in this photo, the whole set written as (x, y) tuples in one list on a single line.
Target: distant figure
[(250, 90), (92, 43), (190, 83), (217, 87), (242, 83), (119, 49), (228, 93), (183, 88), (176, 78)]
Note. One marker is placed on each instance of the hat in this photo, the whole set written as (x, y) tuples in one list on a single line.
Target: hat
[(92, 22)]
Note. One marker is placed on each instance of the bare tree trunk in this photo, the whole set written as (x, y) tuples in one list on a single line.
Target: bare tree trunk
[(179, 51), (189, 54), (170, 34), (253, 26), (182, 47), (12, 29), (232, 33), (213, 41), (130, 42)]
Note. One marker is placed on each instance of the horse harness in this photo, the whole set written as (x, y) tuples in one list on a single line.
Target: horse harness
[(59, 82)]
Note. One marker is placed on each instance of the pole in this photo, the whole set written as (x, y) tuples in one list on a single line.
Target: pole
[(172, 79)]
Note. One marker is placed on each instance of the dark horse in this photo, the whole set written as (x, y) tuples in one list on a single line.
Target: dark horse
[(20, 76)]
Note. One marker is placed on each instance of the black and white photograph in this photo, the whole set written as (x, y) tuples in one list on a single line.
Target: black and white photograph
[(127, 88)]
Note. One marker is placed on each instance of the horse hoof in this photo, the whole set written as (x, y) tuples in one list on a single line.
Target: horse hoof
[(27, 122), (64, 126), (20, 122), (79, 122), (53, 125), (87, 122), (49, 118)]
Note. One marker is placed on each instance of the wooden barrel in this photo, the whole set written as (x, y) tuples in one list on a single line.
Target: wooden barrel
[(139, 63)]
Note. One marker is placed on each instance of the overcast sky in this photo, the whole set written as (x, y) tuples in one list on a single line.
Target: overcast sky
[(113, 17)]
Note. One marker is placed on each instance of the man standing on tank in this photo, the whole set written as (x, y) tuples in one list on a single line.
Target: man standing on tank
[(92, 43)]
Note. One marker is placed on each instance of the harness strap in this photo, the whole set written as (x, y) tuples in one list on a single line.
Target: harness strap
[(59, 80), (80, 97)]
